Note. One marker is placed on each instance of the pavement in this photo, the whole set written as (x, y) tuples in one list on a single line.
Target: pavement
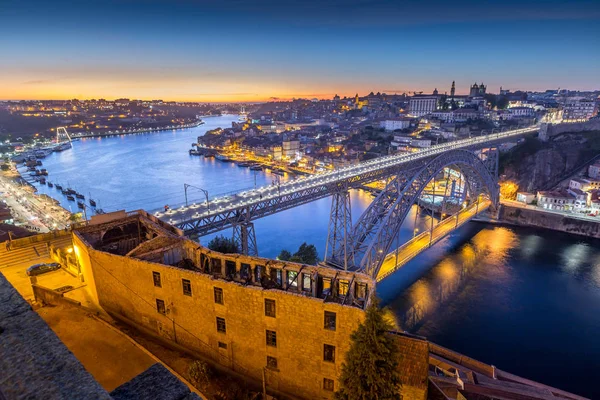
[(568, 214), (107, 354)]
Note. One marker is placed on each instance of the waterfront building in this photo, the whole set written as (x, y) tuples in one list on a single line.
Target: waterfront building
[(561, 200), (525, 197), (291, 149)]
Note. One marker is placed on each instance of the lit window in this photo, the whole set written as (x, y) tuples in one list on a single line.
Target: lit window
[(328, 384), (292, 279), (187, 287), (221, 327), (306, 283), (160, 306), (330, 320), (329, 353), (218, 295), (270, 308), (271, 338), (156, 277), (343, 288)]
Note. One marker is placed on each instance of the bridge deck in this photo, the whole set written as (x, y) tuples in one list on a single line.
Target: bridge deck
[(223, 212), (423, 241)]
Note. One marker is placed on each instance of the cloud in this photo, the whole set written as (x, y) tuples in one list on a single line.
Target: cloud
[(40, 81)]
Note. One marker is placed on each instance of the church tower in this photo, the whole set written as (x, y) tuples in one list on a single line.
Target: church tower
[(452, 90), (356, 99)]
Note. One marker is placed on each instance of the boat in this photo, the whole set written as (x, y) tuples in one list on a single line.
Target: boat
[(244, 164), (209, 155), (30, 168), (70, 191), (70, 198), (64, 192), (62, 146), (222, 157), (256, 168), (80, 204), (59, 187), (38, 162), (44, 172), (43, 181), (50, 184), (194, 152), (79, 196), (92, 203), (278, 171)]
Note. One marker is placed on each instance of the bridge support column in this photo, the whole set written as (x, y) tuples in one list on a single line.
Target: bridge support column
[(245, 237), (339, 231)]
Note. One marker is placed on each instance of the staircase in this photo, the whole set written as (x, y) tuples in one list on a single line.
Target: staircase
[(32, 252)]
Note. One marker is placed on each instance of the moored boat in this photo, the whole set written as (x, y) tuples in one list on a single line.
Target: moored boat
[(222, 157), (70, 198), (80, 204), (92, 203), (50, 184), (79, 196)]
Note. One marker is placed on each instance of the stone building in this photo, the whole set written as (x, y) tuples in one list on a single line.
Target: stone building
[(247, 313)]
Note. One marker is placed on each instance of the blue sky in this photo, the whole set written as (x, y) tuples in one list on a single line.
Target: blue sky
[(254, 50)]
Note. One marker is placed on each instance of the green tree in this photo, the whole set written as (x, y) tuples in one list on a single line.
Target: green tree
[(223, 245), (284, 255), (307, 253), (370, 370)]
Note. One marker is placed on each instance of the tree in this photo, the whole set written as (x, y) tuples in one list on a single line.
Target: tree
[(370, 370), (307, 253), (284, 255), (223, 245)]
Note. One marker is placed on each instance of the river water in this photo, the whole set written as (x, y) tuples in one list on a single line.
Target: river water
[(526, 301)]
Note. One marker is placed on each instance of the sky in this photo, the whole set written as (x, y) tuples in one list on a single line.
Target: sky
[(257, 50)]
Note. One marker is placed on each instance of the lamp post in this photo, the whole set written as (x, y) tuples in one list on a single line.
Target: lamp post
[(185, 188)]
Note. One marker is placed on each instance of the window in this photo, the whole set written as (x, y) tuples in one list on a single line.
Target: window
[(306, 283), (271, 338), (218, 295), (326, 286), (328, 384), (276, 276), (270, 308), (223, 345), (330, 320), (258, 271), (245, 271), (343, 288), (292, 280), (187, 287), (221, 327), (271, 362), (156, 277), (328, 353), (160, 306), (230, 268)]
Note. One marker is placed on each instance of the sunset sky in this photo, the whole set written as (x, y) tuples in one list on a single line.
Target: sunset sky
[(256, 50)]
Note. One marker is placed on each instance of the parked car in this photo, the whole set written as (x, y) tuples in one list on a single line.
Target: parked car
[(39, 269)]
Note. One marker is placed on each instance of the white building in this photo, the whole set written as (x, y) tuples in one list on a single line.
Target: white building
[(594, 170), (521, 112), (394, 124), (421, 105), (525, 197), (577, 108), (291, 149)]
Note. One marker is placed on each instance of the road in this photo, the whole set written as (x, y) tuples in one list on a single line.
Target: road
[(412, 248), (568, 214)]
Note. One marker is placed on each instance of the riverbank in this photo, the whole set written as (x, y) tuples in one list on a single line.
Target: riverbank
[(132, 132), (524, 216)]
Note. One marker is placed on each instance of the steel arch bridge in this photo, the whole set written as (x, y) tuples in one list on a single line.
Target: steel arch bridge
[(365, 245)]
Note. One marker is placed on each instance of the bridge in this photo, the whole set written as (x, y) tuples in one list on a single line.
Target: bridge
[(365, 245)]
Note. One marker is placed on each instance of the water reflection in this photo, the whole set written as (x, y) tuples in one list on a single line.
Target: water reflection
[(484, 255)]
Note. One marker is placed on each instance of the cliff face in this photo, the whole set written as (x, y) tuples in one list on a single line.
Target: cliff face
[(539, 166)]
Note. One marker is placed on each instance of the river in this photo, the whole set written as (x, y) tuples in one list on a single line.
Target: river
[(526, 301)]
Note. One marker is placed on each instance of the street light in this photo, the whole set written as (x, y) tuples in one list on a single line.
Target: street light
[(186, 186)]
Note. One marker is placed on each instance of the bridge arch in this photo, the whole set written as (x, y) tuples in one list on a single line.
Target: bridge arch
[(374, 232)]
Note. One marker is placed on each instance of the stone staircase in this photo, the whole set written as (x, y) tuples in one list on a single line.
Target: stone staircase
[(30, 252)]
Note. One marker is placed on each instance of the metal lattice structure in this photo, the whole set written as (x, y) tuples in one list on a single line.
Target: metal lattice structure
[(245, 237), (374, 232), (340, 227), (228, 211)]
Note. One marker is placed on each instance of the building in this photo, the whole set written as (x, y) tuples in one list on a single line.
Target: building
[(477, 90), (577, 108), (525, 197), (594, 170), (250, 314), (395, 124), (561, 200), (521, 112), (421, 105), (291, 149)]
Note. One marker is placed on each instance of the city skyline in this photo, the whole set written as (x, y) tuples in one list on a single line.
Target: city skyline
[(236, 52)]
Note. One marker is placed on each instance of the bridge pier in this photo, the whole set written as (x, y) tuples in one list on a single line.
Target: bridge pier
[(245, 237), (340, 228)]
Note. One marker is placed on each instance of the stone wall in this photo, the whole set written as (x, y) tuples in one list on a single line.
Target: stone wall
[(548, 131), (541, 219), (125, 288)]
